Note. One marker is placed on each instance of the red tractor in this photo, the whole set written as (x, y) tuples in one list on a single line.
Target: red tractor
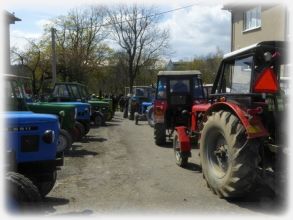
[(177, 92), (241, 132)]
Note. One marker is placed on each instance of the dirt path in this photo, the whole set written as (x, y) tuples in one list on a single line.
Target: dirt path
[(119, 169)]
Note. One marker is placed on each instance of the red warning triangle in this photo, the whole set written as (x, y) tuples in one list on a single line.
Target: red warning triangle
[(267, 82)]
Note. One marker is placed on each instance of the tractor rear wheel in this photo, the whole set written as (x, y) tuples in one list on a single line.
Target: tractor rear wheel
[(181, 160), (229, 160), (160, 134)]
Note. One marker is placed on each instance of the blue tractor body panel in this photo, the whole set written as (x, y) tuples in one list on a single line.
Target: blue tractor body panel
[(83, 109), (25, 136)]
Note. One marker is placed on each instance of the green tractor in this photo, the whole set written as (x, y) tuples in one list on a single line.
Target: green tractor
[(68, 92), (69, 130)]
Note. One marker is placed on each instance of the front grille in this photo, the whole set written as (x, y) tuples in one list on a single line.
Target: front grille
[(23, 128), (29, 143)]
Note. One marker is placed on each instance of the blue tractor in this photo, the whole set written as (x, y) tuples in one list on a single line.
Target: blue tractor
[(32, 157), (138, 101)]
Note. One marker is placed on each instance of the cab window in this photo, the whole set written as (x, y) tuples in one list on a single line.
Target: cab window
[(241, 76), (162, 88), (60, 91), (179, 86), (197, 89)]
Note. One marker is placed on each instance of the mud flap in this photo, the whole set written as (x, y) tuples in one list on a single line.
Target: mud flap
[(184, 140)]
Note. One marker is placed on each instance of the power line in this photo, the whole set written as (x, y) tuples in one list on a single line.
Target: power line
[(123, 21)]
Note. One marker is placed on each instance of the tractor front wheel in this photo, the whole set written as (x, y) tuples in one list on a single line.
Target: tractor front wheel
[(81, 129), (45, 182), (98, 121), (21, 192), (64, 141), (181, 159), (136, 117), (160, 134), (229, 160)]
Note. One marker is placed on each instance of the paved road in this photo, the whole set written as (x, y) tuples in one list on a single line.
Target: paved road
[(119, 169)]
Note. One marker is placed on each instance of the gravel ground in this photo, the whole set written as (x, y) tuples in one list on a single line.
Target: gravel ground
[(118, 169)]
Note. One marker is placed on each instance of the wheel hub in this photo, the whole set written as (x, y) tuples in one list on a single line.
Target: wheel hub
[(222, 156)]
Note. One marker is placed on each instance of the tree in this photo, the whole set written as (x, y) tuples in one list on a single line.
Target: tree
[(79, 43), (32, 61), (136, 31)]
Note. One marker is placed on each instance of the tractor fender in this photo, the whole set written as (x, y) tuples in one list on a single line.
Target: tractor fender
[(252, 123), (183, 139)]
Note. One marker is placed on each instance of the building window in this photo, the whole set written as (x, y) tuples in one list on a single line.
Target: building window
[(252, 18)]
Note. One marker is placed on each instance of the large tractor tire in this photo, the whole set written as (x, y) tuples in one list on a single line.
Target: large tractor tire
[(22, 193), (229, 160), (45, 183), (64, 141), (150, 116), (181, 159), (160, 134)]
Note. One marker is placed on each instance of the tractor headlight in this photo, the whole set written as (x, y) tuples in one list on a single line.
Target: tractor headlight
[(48, 136), (62, 113)]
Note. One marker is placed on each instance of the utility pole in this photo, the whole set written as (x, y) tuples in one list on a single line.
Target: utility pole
[(53, 30)]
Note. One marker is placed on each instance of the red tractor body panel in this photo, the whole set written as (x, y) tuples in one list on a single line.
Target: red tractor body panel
[(252, 123), (184, 139), (198, 108), (160, 107)]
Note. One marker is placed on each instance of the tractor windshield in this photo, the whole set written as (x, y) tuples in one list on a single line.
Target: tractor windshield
[(74, 90), (14, 96)]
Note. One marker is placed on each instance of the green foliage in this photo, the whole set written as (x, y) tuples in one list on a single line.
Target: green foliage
[(207, 65)]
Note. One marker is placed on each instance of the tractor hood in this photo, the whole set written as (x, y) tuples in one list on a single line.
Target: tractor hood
[(77, 104), (27, 117)]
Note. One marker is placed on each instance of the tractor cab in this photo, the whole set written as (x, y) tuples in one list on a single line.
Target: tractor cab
[(177, 92)]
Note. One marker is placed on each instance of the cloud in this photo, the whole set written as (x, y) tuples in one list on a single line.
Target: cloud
[(194, 31), (43, 22), (198, 31), (20, 39)]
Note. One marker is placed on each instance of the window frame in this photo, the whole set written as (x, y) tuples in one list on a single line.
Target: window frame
[(257, 25)]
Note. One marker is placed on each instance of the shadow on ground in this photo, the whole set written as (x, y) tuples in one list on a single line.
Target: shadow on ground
[(89, 138), (49, 202), (193, 167), (262, 200), (76, 152)]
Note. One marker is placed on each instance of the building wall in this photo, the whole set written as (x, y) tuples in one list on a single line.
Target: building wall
[(273, 26)]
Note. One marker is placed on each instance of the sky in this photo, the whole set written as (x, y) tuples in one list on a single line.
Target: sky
[(194, 31)]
